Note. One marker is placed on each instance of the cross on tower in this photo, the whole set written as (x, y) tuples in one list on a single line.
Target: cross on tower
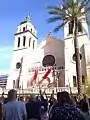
[(28, 17), (49, 33)]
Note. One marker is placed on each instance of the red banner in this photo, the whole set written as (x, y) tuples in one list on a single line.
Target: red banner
[(35, 75), (46, 74)]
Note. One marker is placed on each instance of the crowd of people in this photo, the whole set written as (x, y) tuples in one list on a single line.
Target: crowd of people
[(43, 108)]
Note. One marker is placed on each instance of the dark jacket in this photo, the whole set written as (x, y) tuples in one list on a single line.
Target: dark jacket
[(1, 111), (33, 110)]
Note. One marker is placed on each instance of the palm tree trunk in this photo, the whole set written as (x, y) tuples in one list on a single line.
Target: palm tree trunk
[(77, 55)]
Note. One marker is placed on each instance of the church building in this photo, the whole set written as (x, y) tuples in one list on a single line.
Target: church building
[(50, 63)]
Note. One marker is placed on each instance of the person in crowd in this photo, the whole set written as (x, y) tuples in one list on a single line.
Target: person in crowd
[(78, 105), (1, 110), (75, 98), (37, 98), (43, 113), (27, 99), (21, 99), (44, 103), (13, 109), (5, 100), (44, 108), (63, 110), (85, 110), (33, 108), (52, 100), (2, 97)]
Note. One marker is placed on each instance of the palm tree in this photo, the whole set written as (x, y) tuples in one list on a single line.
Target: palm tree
[(71, 12)]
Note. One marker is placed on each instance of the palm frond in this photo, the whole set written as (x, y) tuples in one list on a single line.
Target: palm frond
[(60, 14), (54, 19), (53, 7), (60, 26), (81, 6), (57, 10), (69, 10), (57, 18), (68, 3)]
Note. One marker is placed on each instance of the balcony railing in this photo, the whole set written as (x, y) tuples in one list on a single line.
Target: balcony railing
[(47, 90), (46, 68)]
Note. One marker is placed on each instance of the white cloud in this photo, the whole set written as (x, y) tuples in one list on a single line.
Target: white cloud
[(6, 48), (5, 57)]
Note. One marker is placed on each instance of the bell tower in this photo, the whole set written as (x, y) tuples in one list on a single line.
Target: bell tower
[(82, 27), (83, 39), (25, 36), (25, 40)]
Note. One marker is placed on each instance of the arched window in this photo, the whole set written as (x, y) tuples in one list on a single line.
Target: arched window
[(74, 81), (24, 40), (18, 42), (31, 29), (23, 28), (33, 44), (29, 41)]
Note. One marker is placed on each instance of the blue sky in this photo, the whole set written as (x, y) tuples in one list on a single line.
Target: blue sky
[(12, 12)]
